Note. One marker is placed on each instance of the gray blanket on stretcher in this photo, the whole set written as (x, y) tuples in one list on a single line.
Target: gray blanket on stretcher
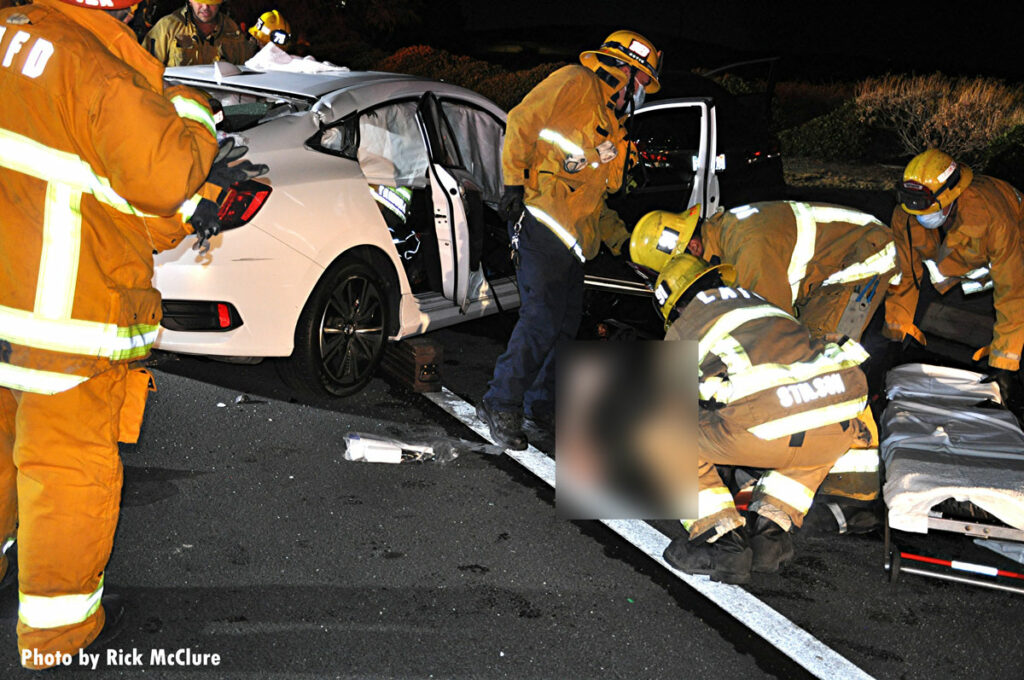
[(945, 436)]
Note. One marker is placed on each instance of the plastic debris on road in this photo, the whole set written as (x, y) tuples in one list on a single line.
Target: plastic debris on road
[(369, 448)]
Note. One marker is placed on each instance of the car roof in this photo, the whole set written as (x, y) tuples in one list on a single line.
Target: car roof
[(307, 85)]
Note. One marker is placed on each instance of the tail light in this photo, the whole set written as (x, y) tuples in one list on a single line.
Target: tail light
[(200, 315), (242, 203)]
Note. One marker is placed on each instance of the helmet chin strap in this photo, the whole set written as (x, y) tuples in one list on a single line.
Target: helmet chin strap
[(629, 108)]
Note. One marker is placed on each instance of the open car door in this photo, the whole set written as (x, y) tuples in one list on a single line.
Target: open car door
[(677, 142), (448, 192)]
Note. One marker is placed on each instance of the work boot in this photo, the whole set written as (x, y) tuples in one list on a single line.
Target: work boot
[(114, 607), (11, 575), (772, 545), (506, 427), (544, 422), (540, 430), (727, 559)]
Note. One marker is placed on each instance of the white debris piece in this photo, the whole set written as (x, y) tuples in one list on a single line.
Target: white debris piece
[(368, 448)]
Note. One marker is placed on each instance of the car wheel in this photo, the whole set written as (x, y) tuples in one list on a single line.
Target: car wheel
[(342, 332)]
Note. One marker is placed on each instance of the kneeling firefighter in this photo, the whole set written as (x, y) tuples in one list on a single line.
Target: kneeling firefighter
[(852, 264), (770, 397)]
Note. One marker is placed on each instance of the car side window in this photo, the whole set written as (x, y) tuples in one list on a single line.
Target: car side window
[(479, 137), (341, 139), (667, 142)]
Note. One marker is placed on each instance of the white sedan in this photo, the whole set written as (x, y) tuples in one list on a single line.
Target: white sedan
[(377, 220)]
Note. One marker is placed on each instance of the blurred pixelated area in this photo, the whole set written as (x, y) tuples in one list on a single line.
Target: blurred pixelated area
[(626, 430)]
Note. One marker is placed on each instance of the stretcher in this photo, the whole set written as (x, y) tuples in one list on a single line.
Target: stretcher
[(954, 462)]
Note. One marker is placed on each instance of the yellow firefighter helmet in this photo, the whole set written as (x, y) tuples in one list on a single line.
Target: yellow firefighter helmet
[(932, 181), (272, 27), (630, 48), (660, 235), (681, 272)]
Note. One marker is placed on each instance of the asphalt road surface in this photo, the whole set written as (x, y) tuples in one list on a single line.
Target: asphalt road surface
[(244, 533)]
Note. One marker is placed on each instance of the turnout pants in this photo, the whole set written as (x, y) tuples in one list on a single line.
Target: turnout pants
[(796, 465), (551, 306), (60, 492)]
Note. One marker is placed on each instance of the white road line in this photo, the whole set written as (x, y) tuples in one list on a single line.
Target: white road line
[(793, 641)]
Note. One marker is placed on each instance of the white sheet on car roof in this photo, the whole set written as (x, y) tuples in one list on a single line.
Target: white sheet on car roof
[(939, 443), (273, 58)]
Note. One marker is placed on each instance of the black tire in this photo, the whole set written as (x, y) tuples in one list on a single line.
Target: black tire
[(342, 331)]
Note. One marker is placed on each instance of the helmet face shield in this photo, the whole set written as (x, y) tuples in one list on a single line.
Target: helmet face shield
[(915, 197)]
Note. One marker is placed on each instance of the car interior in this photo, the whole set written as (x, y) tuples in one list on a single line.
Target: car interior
[(388, 145)]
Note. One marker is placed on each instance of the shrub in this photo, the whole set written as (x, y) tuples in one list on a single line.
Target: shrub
[(421, 60), (504, 88), (1004, 157), (961, 116), (508, 89), (839, 135), (796, 103)]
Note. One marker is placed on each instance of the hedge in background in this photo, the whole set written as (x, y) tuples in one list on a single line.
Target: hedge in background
[(796, 103), (1004, 157), (839, 135), (960, 116), (505, 88)]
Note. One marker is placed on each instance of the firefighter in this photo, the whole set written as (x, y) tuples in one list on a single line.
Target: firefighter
[(859, 249), (957, 227), (565, 151), (770, 396), (77, 305), (810, 259), (271, 27), (198, 33)]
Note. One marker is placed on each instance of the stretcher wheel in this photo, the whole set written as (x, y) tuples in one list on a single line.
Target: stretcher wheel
[(894, 566)]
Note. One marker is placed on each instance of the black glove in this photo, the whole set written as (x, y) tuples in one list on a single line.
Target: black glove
[(1007, 383), (226, 176), (511, 205), (205, 224)]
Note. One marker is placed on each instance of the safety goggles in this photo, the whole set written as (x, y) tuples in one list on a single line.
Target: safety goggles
[(916, 196)]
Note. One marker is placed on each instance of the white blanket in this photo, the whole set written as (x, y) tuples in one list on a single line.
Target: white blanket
[(273, 58)]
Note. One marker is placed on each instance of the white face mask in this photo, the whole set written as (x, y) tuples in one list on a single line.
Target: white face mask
[(639, 95), (932, 220)]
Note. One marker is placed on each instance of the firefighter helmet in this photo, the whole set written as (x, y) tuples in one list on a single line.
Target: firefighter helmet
[(660, 235), (102, 4), (209, 2), (632, 49), (272, 27), (932, 181), (681, 272)]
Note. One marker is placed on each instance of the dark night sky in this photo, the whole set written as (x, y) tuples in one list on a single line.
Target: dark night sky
[(869, 37)]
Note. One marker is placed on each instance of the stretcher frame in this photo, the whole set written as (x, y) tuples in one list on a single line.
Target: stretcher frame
[(952, 570), (898, 561)]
